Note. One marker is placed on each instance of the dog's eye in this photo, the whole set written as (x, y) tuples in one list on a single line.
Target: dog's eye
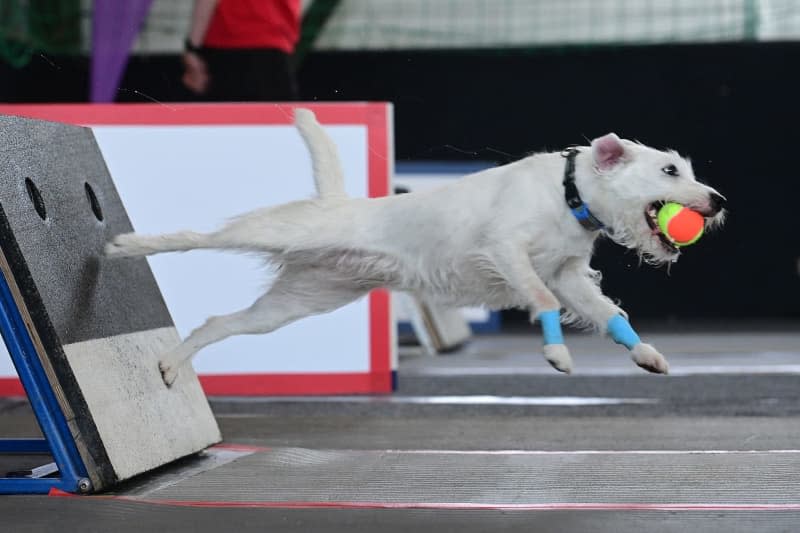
[(670, 170)]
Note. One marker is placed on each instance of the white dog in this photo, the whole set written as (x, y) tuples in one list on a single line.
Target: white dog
[(501, 238)]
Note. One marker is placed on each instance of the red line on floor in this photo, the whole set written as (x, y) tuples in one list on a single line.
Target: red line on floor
[(465, 506), (239, 447)]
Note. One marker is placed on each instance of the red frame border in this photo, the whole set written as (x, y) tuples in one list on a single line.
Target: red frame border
[(376, 116)]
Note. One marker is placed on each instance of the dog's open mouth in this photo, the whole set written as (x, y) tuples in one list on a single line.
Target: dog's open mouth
[(651, 217)]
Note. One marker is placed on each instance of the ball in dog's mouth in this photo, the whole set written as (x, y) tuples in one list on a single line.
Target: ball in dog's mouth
[(651, 217)]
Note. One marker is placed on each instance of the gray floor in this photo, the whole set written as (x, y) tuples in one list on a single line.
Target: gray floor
[(498, 437)]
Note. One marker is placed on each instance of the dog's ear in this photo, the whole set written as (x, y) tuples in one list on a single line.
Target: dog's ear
[(607, 151)]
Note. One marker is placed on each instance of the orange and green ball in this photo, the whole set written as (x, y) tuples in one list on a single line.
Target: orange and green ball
[(680, 224)]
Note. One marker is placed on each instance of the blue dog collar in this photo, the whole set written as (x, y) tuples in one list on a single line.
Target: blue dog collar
[(576, 206), (586, 218)]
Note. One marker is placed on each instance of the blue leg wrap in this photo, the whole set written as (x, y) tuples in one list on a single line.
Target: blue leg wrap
[(551, 327), (622, 332)]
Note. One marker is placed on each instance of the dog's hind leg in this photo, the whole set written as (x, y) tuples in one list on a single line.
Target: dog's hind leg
[(513, 264), (229, 237), (133, 244), (578, 289), (292, 296)]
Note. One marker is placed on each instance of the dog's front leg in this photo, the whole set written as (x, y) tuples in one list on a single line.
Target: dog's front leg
[(576, 284), (514, 266)]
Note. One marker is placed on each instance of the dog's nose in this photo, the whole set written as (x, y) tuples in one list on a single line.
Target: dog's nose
[(717, 202)]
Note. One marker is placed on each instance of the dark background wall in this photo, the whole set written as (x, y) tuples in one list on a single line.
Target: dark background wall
[(733, 109)]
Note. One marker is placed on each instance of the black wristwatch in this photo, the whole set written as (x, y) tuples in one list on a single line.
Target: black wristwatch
[(188, 46)]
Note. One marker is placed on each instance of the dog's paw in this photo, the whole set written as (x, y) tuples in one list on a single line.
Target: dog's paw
[(113, 249), (648, 358), (558, 357), (129, 245), (168, 372), (119, 246)]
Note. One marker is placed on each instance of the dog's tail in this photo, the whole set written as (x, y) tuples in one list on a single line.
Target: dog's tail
[(328, 173)]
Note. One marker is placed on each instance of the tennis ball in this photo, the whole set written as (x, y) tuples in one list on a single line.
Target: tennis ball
[(680, 224)]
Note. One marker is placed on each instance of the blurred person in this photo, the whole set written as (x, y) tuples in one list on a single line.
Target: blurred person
[(241, 50)]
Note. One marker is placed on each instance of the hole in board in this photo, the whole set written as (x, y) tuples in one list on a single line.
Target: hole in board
[(36, 198), (98, 213)]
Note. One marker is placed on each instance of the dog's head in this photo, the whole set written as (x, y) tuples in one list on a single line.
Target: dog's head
[(633, 181)]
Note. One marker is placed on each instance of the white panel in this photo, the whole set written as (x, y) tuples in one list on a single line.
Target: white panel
[(6, 366), (142, 423)]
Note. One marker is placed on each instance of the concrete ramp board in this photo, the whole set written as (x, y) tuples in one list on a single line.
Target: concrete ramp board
[(98, 325)]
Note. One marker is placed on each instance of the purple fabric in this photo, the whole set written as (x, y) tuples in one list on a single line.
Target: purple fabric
[(115, 24)]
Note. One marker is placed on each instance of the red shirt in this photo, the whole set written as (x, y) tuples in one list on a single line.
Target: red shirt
[(254, 24)]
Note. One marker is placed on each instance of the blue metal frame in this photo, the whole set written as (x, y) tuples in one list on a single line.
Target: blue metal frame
[(58, 439)]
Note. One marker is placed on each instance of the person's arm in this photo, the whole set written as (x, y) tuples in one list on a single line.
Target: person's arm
[(201, 18), (195, 75)]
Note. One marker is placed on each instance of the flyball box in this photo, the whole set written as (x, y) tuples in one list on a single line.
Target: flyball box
[(97, 326)]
